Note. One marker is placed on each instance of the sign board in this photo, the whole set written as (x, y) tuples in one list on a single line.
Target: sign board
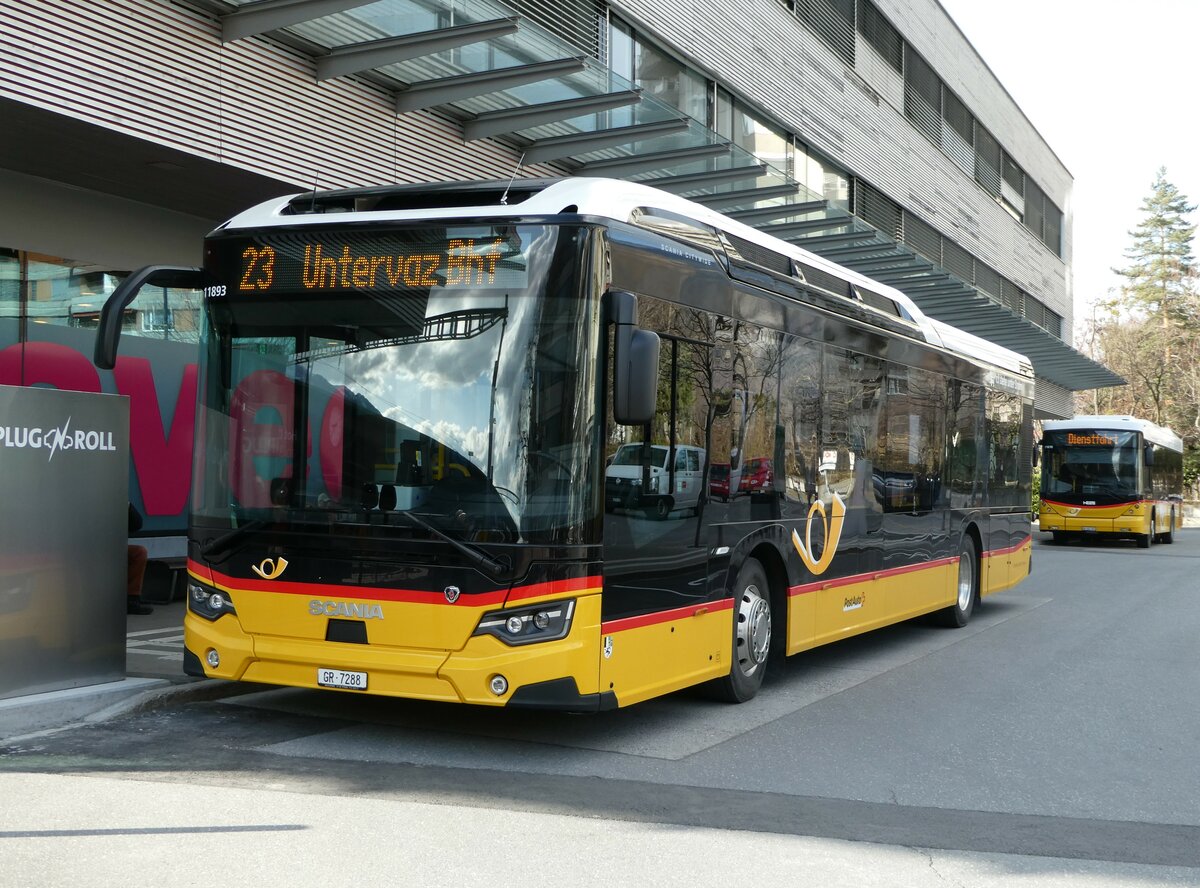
[(64, 476)]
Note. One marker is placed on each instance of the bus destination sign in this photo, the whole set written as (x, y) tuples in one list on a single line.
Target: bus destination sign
[(332, 265)]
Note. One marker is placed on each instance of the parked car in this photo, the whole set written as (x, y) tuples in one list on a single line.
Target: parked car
[(673, 482), (718, 481)]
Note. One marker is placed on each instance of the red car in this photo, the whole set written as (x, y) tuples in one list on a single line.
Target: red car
[(718, 481), (756, 475)]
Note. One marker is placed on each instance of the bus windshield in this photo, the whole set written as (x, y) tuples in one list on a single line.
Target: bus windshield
[(430, 381), (1090, 463)]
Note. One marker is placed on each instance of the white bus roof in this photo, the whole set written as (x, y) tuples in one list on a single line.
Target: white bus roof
[(1155, 434), (611, 199)]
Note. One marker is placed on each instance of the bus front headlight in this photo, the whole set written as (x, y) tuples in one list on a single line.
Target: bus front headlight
[(207, 602), (529, 625)]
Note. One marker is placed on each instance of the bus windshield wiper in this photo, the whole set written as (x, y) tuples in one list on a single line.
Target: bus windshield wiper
[(498, 569), (223, 542)]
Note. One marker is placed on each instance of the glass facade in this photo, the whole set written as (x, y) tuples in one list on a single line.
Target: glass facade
[(38, 291), (929, 106)]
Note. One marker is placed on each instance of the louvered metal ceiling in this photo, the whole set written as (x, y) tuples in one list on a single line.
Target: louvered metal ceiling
[(506, 77)]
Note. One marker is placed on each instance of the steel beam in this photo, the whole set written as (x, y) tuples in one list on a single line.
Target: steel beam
[(444, 90), (648, 163), (747, 195), (510, 120), (556, 147), (761, 214), (271, 15), (694, 181), (356, 57)]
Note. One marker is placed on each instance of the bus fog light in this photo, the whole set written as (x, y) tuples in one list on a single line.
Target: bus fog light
[(541, 619), (514, 625), (499, 684), (216, 601), (214, 659)]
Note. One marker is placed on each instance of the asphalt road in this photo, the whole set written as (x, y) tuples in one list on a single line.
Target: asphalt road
[(1051, 742)]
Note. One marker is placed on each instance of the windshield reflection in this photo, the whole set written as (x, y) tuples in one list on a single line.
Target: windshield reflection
[(470, 408)]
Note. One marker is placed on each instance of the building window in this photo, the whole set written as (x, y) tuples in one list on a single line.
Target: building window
[(832, 21), (922, 96), (40, 292), (880, 35), (669, 81), (658, 74)]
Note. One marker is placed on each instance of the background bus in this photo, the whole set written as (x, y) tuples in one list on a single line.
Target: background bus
[(1112, 476), (413, 399)]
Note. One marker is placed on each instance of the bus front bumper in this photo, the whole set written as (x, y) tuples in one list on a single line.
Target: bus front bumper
[(561, 674), (1125, 525)]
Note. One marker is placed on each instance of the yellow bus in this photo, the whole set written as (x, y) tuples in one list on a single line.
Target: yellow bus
[(1111, 476), (459, 443)]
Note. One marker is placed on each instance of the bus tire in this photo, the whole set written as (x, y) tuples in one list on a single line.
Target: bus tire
[(751, 636), (1169, 536), (1057, 537), (1144, 540), (958, 614)]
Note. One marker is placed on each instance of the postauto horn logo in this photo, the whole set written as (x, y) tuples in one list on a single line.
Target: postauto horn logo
[(54, 441), (831, 526)]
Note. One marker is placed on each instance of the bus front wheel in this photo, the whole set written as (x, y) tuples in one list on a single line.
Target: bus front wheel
[(958, 614), (751, 636)]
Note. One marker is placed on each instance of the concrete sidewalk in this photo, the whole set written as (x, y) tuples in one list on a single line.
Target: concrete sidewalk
[(153, 669)]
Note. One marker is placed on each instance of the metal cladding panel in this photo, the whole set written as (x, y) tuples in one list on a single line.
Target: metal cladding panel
[(1052, 401), (159, 72), (765, 54), (935, 36)]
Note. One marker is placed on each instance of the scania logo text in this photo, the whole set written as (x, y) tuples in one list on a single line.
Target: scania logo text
[(320, 608)]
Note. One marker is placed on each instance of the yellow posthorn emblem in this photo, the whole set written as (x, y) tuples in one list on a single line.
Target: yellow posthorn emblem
[(831, 524), (269, 568)]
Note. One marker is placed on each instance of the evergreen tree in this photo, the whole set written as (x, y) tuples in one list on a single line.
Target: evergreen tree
[(1162, 268), (1150, 333)]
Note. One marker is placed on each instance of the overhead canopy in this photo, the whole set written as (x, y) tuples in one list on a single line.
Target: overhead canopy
[(507, 78)]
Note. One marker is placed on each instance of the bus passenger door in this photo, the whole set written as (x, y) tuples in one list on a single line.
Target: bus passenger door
[(915, 515), (659, 624)]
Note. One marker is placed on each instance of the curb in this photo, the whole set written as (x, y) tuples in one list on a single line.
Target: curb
[(39, 715)]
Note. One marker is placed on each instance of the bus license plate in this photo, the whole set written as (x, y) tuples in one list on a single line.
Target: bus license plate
[(1089, 530), (337, 678)]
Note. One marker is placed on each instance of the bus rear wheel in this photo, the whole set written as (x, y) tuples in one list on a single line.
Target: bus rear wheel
[(751, 636), (958, 614)]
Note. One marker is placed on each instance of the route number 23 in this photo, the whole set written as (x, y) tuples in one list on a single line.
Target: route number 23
[(258, 268)]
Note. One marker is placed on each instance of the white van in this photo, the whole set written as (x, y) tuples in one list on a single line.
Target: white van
[(676, 479)]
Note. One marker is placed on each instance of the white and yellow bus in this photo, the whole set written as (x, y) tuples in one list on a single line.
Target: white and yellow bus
[(1111, 476)]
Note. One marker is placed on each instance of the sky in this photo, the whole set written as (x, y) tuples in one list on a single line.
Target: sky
[(1111, 87)]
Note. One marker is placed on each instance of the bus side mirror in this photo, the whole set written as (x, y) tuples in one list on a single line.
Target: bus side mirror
[(1037, 454), (1149, 454), (635, 363), (108, 335)]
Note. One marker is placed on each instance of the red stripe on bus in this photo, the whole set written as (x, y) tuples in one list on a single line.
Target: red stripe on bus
[(994, 553), (678, 613), (870, 575), (555, 587), (374, 593)]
